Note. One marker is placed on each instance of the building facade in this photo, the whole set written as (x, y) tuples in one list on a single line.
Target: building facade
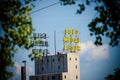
[(57, 67)]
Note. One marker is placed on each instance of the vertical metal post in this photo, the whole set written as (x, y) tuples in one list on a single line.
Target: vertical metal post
[(55, 40)]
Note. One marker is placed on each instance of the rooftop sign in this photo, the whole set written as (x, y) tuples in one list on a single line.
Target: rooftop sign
[(41, 43), (71, 40)]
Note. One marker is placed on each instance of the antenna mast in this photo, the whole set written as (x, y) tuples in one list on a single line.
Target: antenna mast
[(55, 40)]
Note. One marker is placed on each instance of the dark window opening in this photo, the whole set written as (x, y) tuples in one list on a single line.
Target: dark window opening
[(58, 59), (76, 66), (59, 77), (76, 77), (47, 60), (53, 60), (42, 61), (70, 58), (37, 71), (58, 66), (76, 59), (48, 78), (42, 78), (37, 78), (65, 76), (53, 77), (42, 68)]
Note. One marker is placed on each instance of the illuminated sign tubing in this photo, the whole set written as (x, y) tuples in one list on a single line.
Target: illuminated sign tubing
[(72, 48), (71, 31), (41, 42), (40, 35), (71, 40)]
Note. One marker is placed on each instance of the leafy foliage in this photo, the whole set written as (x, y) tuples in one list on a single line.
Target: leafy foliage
[(35, 55), (68, 2), (16, 25), (115, 76), (106, 23)]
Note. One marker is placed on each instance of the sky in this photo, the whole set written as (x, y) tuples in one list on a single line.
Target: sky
[(96, 62)]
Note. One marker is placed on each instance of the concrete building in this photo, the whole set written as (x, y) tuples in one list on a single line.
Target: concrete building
[(57, 67)]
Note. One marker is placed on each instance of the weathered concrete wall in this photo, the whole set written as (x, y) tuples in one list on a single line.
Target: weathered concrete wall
[(57, 67)]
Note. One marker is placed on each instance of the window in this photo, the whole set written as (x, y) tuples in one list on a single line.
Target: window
[(42, 78), (37, 71), (58, 66), (70, 58), (47, 60), (42, 61), (76, 77), (75, 59), (48, 78), (53, 60), (37, 78), (42, 68), (76, 66), (58, 59), (65, 76), (53, 77), (59, 77)]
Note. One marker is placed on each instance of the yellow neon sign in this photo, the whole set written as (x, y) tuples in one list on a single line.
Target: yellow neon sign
[(65, 47), (65, 39), (71, 31), (72, 48), (71, 40), (76, 31), (78, 48), (67, 31)]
